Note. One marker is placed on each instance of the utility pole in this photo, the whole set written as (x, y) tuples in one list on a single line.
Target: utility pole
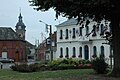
[(51, 52), (50, 37)]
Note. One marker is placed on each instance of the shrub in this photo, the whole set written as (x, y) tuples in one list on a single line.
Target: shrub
[(65, 66), (99, 65), (25, 67), (34, 67), (65, 61)]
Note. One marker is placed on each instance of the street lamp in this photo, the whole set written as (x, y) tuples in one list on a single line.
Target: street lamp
[(50, 37)]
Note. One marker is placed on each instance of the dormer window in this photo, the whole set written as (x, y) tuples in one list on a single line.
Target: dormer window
[(101, 29)]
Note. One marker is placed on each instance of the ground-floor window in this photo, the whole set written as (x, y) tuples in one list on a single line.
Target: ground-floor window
[(80, 52), (61, 52), (102, 51), (94, 52), (67, 52), (74, 52)]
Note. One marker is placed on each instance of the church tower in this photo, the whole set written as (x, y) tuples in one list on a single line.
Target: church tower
[(20, 27)]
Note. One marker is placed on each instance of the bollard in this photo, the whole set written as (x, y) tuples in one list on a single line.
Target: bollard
[(1, 66)]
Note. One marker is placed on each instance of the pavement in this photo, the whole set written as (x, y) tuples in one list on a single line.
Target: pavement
[(6, 65)]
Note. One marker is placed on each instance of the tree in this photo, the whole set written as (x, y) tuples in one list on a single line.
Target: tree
[(99, 9)]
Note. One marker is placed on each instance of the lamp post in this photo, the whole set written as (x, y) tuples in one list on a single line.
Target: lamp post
[(50, 37)]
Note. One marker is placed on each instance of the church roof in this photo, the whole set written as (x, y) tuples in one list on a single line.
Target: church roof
[(68, 22), (7, 33), (30, 45)]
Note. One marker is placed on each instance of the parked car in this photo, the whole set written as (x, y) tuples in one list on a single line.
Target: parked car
[(6, 60)]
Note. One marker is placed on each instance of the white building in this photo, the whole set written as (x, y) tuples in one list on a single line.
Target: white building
[(76, 41)]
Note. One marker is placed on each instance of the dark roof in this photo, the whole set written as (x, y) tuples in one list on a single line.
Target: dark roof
[(7, 33), (28, 44), (68, 22)]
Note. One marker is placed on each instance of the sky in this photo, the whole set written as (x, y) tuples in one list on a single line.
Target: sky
[(9, 12)]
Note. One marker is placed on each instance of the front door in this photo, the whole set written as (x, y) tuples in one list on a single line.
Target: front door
[(86, 52), (17, 56)]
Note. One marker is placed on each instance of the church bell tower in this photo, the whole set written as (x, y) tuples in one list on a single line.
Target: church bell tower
[(20, 27)]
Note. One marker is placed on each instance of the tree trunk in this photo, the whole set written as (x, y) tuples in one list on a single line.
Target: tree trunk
[(115, 21)]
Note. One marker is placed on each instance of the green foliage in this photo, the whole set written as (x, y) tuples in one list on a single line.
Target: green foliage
[(27, 50), (78, 8), (53, 65), (99, 65), (26, 68), (21, 68)]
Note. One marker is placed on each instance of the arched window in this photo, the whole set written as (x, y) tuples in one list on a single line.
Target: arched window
[(102, 51), (101, 29), (74, 52), (66, 34), (61, 32), (86, 52), (61, 52), (73, 33), (80, 52), (87, 30), (94, 51), (67, 53)]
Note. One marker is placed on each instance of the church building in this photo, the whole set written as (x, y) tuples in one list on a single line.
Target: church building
[(12, 43)]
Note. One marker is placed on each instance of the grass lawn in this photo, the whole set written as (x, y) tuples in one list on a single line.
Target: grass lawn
[(78, 74), (45, 75)]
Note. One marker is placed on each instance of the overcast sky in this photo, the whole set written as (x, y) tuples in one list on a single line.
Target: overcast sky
[(9, 12)]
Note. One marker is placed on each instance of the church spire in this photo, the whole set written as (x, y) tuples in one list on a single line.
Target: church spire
[(20, 16), (20, 27)]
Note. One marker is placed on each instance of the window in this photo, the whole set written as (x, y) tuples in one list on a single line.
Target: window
[(80, 52), (87, 30), (67, 53), (94, 52), (61, 52), (80, 31), (110, 27), (94, 31), (102, 51), (102, 29), (73, 33), (66, 34), (61, 32), (74, 52)]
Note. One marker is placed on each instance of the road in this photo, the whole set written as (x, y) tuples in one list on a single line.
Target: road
[(6, 65)]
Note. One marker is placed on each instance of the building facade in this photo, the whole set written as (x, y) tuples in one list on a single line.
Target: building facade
[(47, 49), (84, 40), (11, 45)]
